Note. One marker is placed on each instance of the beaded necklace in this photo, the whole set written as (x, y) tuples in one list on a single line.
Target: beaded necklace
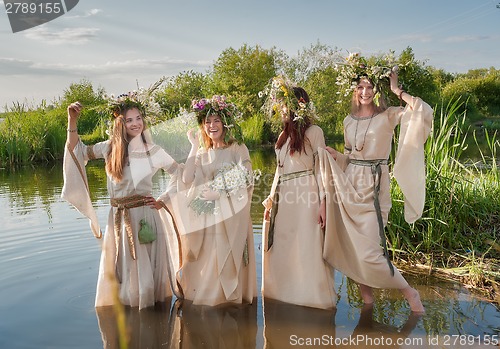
[(366, 131)]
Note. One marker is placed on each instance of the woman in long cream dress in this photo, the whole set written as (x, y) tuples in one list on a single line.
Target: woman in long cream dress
[(135, 269), (294, 270), (357, 186), (212, 207)]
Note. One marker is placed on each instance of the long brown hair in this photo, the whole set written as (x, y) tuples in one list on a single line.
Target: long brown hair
[(118, 147), (295, 130)]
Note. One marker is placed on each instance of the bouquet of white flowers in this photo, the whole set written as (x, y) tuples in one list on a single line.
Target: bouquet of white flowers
[(232, 177), (227, 181)]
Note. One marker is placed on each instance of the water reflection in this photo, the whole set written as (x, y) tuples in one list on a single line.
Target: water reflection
[(287, 325), (226, 326), (182, 326), (49, 262), (369, 332), (152, 327)]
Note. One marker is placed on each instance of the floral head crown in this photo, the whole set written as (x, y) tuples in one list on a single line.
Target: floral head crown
[(228, 112), (142, 99), (354, 67), (279, 92)]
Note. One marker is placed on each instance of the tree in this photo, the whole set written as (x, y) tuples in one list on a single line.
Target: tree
[(417, 79), (480, 88), (83, 92), (180, 90), (241, 74), (90, 98)]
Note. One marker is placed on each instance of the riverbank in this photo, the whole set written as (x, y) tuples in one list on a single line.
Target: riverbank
[(481, 278)]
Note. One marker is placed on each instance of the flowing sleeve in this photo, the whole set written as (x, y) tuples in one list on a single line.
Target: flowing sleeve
[(163, 160), (318, 142), (409, 166), (75, 188), (343, 159)]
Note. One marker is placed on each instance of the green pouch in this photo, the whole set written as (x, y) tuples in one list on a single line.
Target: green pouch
[(146, 233)]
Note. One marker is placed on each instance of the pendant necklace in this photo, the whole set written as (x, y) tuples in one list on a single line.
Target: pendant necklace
[(366, 131)]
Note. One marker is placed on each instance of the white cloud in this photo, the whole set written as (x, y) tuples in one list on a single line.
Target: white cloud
[(141, 66), (74, 36), (160, 67), (89, 13)]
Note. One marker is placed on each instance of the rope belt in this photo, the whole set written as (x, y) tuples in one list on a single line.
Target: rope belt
[(123, 205), (274, 210), (376, 173)]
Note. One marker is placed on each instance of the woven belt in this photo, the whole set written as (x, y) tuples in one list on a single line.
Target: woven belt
[(376, 173), (123, 205)]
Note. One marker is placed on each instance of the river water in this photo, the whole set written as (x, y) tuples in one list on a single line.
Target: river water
[(49, 263)]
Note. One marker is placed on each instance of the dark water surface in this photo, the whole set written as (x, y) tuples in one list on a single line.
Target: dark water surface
[(49, 263)]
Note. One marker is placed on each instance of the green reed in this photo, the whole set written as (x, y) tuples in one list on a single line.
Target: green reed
[(255, 130), (28, 135), (462, 210)]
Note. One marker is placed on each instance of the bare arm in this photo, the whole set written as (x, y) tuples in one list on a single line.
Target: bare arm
[(74, 110), (402, 94), (190, 167)]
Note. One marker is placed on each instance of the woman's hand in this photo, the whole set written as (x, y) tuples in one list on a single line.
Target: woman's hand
[(209, 194), (332, 152), (153, 203), (393, 79), (193, 138), (267, 214), (74, 111), (322, 214)]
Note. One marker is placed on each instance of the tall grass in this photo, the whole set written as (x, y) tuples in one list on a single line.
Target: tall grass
[(30, 135), (462, 211), (38, 134), (256, 131)]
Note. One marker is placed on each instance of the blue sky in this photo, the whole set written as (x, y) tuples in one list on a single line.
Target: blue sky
[(119, 44)]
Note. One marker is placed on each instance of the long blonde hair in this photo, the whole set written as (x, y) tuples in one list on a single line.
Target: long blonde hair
[(118, 148)]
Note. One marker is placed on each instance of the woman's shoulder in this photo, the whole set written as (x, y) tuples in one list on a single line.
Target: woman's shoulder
[(238, 146), (314, 130), (239, 149)]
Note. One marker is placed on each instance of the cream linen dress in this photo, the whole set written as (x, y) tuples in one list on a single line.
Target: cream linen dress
[(218, 257), (294, 270), (352, 241), (149, 278)]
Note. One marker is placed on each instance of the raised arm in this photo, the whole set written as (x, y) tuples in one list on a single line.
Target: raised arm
[(190, 166), (398, 91), (74, 110)]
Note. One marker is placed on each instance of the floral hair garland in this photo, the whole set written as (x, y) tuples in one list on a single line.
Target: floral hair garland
[(142, 99), (279, 93), (354, 67), (228, 112)]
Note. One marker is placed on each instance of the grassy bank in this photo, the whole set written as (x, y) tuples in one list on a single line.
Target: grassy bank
[(458, 235)]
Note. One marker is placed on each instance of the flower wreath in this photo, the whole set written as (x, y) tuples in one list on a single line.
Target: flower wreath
[(142, 99), (229, 113), (354, 67), (279, 93)]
